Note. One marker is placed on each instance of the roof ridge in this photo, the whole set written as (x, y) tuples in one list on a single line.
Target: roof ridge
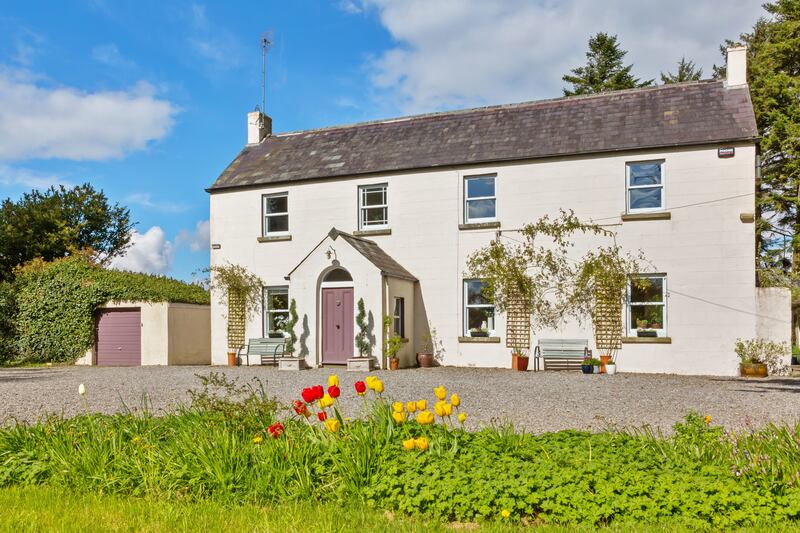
[(512, 105)]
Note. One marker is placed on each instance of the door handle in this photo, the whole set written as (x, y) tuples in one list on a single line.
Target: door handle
[(338, 326)]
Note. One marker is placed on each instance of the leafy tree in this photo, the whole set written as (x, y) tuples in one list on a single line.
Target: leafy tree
[(687, 71), (57, 223), (604, 70)]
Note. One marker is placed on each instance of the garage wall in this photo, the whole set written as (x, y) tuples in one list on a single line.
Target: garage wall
[(189, 334)]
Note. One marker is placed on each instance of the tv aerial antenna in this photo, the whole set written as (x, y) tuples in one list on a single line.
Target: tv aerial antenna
[(266, 44)]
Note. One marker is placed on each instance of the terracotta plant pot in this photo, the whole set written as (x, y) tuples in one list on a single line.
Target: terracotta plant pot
[(753, 370), (519, 363), (394, 363), (231, 358), (425, 360), (604, 360)]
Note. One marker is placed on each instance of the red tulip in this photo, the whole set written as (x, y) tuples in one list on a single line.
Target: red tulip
[(309, 395), (322, 416), (300, 408), (276, 430), (334, 391), (361, 387), (319, 392)]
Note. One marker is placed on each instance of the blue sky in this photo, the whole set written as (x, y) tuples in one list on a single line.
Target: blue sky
[(147, 100)]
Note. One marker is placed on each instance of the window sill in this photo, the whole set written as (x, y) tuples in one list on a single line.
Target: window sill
[(275, 238), (479, 225), (646, 340), (404, 340), (479, 340), (372, 232), (655, 215)]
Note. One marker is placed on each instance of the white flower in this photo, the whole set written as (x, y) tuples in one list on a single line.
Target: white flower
[(82, 390)]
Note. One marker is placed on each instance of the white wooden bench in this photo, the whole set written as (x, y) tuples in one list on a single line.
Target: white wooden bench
[(560, 354), (269, 349)]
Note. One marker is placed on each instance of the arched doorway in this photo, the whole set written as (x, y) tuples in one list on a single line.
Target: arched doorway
[(337, 310)]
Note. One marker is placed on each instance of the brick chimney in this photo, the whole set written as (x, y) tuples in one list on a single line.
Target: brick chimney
[(259, 126), (736, 72)]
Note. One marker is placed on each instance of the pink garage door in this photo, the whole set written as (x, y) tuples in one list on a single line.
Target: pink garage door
[(119, 337), (337, 325)]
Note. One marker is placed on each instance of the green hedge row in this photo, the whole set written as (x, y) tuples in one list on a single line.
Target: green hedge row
[(48, 310)]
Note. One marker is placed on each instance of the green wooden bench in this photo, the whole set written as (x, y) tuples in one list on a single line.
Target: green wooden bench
[(269, 349), (560, 354)]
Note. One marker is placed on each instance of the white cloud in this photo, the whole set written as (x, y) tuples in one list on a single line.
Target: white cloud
[(149, 252), (63, 122), (198, 240), (108, 54), (17, 176), (145, 200), (453, 53)]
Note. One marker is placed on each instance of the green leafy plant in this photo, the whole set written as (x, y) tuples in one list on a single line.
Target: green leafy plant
[(763, 351), (392, 341), (241, 291), (288, 328), (363, 344)]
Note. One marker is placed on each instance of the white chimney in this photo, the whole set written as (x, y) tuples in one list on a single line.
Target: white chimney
[(736, 75), (259, 126)]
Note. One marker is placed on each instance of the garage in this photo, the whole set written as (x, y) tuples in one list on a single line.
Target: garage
[(119, 337)]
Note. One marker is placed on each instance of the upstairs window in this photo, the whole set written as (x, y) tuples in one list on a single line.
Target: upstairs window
[(480, 202), (645, 184), (647, 306), (276, 310), (478, 310), (399, 317), (373, 207), (276, 214)]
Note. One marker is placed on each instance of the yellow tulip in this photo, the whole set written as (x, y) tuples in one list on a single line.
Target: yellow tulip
[(333, 380), (257, 439), (399, 417), (448, 409), (409, 444), (440, 392), (332, 425), (370, 381), (422, 443), (326, 401), (455, 400), (378, 386), (425, 418), (411, 407), (397, 407), (439, 408), (462, 417), (422, 405)]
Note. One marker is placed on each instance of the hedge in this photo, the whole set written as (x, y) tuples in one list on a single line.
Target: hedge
[(54, 304)]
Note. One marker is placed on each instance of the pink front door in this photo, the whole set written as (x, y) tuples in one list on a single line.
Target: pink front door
[(337, 325)]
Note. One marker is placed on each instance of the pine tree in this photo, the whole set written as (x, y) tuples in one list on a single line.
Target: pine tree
[(604, 70), (687, 71)]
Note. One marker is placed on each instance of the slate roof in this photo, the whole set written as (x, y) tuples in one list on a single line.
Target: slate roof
[(669, 115), (371, 251)]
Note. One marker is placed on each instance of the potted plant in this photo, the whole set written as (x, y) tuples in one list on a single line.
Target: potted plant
[(586, 365), (611, 368), (392, 344), (519, 358), (595, 365), (241, 291), (760, 357), (430, 348), (478, 332)]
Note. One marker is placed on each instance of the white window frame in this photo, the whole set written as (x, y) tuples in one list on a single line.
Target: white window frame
[(467, 199), (267, 311), (399, 319), (467, 306), (362, 208), (660, 332), (629, 187), (266, 215)]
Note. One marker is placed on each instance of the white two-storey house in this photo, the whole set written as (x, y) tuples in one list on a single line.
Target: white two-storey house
[(389, 211)]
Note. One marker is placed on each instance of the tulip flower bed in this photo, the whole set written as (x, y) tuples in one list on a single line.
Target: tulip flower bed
[(411, 455)]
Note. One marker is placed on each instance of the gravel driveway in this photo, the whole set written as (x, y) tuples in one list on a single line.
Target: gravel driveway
[(536, 402)]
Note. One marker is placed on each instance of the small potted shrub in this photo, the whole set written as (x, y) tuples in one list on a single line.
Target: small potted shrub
[(430, 349), (611, 367), (760, 357), (586, 365), (595, 365), (478, 332), (519, 358), (392, 344)]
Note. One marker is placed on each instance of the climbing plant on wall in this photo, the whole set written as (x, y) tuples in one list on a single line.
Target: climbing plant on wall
[(240, 291)]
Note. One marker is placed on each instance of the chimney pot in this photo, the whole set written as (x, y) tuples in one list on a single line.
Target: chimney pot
[(736, 71), (259, 126)]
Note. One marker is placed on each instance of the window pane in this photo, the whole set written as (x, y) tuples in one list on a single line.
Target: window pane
[(647, 290), (645, 173), (278, 223), (277, 204), (374, 216), (278, 300), (374, 196), (480, 209), (647, 316), (475, 293), (277, 321), (480, 318), (480, 187), (646, 198)]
